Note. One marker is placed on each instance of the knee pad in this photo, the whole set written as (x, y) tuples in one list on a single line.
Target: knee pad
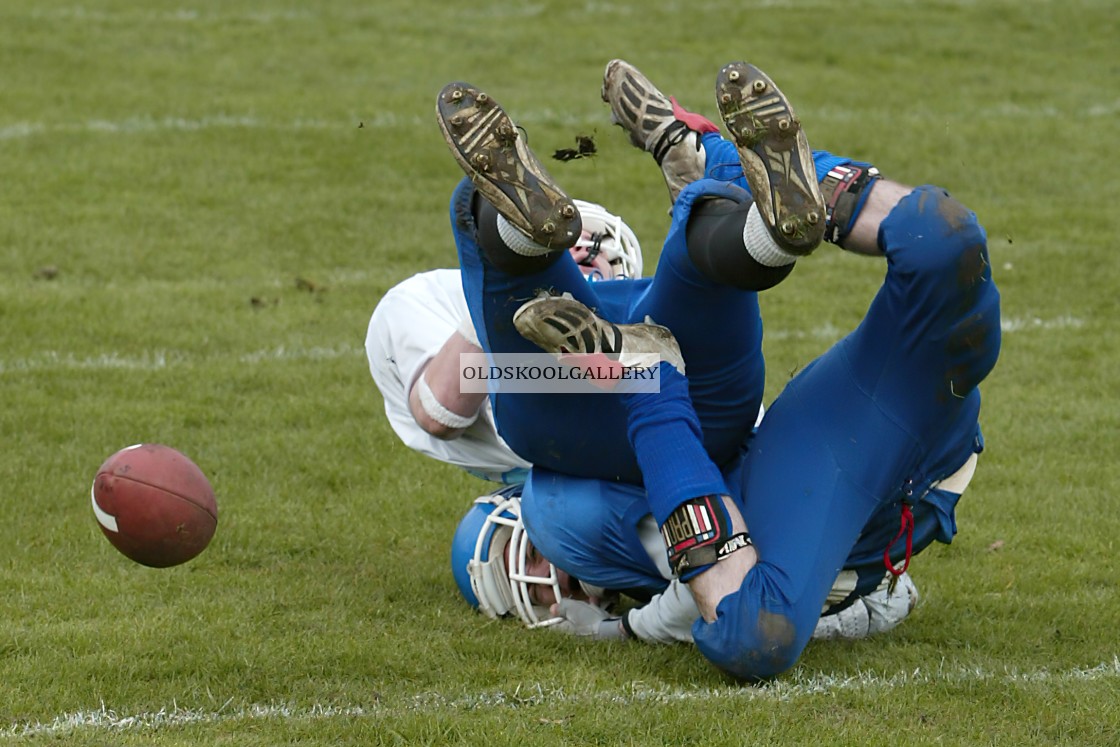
[(749, 642), (929, 230)]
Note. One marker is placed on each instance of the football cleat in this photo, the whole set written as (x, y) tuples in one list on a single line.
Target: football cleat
[(850, 623), (493, 154), (775, 155), (656, 124), (563, 326), (890, 604), (877, 612)]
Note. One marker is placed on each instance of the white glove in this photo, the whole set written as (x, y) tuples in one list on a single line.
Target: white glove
[(583, 619)]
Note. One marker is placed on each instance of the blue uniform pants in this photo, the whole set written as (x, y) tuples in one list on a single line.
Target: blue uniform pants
[(867, 427), (719, 329), (890, 409)]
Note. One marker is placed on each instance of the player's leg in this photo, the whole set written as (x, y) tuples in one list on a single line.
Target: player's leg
[(721, 243), (657, 124), (689, 147), (938, 305), (717, 325), (717, 245), (769, 146), (512, 222), (685, 491), (512, 229), (884, 419), (493, 294), (825, 459)]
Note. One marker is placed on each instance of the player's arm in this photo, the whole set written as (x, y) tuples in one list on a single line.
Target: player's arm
[(435, 400), (666, 618)]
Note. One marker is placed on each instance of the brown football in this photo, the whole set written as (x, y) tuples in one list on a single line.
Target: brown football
[(155, 505)]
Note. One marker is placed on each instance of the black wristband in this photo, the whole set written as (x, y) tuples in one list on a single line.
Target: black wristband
[(694, 534), (625, 620)]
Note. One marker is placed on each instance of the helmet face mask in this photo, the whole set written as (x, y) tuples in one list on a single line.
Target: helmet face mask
[(490, 558), (521, 581)]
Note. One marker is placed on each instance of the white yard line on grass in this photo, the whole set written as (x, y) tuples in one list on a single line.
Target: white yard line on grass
[(108, 719), (143, 124), (1020, 323), (796, 685), (139, 125), (82, 15), (163, 359)]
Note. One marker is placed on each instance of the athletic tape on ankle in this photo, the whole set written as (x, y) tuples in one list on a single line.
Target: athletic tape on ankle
[(437, 411), (518, 241), (845, 188), (760, 244)]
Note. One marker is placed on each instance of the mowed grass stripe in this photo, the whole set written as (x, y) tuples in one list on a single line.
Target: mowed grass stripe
[(51, 360), (568, 117)]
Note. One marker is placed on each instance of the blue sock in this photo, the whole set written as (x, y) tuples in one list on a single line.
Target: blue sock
[(665, 433)]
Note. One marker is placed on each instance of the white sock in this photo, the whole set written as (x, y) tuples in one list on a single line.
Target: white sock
[(518, 241), (760, 244)]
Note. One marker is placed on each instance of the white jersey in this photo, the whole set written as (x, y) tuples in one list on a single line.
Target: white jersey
[(409, 326)]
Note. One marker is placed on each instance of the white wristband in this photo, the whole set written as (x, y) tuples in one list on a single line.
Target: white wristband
[(437, 411), (760, 244)]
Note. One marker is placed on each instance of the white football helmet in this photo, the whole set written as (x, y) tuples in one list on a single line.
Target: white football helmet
[(605, 233), (495, 581)]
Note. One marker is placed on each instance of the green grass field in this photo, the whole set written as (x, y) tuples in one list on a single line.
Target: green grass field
[(200, 205)]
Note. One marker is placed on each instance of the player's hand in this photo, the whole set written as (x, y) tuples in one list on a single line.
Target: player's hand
[(587, 620)]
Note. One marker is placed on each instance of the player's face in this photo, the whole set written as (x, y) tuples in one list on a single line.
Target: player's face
[(543, 594), (593, 267)]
